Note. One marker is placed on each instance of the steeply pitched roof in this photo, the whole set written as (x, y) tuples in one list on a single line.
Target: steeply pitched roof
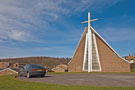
[(93, 30)]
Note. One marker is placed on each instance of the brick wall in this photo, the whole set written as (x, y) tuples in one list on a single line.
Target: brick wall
[(110, 62), (76, 63)]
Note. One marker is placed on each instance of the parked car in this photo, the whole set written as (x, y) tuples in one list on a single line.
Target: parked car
[(32, 70)]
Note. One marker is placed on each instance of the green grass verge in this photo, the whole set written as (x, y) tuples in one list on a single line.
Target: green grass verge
[(11, 83)]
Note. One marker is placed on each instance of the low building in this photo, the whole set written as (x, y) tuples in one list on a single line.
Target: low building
[(4, 64), (21, 65), (8, 71), (60, 68), (131, 59), (132, 67), (16, 65)]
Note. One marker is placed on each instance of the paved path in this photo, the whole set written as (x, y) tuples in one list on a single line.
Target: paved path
[(87, 79)]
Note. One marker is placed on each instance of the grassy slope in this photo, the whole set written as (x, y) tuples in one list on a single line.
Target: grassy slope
[(10, 83)]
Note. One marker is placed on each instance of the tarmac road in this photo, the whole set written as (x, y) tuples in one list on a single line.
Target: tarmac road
[(86, 79)]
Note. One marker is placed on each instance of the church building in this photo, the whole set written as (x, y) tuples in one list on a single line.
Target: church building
[(94, 54)]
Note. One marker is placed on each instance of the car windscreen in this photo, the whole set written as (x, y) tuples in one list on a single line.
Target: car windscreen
[(36, 66)]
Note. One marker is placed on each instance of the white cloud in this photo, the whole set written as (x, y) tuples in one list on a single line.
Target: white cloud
[(28, 20), (90, 5), (31, 15), (18, 35), (26, 15)]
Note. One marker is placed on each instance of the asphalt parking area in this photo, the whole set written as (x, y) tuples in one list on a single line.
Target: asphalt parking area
[(86, 79)]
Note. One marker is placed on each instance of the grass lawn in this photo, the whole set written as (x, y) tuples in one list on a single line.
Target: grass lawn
[(11, 83)]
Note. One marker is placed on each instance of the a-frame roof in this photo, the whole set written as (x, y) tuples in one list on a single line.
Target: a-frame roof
[(93, 30)]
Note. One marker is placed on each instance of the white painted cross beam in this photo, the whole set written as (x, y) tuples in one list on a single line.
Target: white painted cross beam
[(89, 19), (88, 59)]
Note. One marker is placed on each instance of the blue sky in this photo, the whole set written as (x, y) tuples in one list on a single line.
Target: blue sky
[(52, 27)]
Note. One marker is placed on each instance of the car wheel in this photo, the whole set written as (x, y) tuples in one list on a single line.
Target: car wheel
[(28, 75)]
